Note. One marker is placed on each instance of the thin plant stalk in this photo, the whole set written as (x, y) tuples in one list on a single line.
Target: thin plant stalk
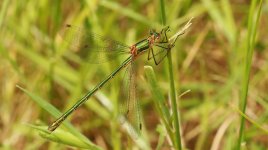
[(177, 143), (252, 28), (174, 104)]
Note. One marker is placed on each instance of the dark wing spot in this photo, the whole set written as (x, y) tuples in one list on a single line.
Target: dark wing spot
[(68, 25), (86, 46)]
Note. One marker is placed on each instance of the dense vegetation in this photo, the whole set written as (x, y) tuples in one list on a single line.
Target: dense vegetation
[(219, 69)]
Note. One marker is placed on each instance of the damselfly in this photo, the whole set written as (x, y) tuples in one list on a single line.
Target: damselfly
[(157, 45)]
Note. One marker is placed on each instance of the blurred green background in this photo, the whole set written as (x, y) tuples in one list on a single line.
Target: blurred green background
[(209, 60)]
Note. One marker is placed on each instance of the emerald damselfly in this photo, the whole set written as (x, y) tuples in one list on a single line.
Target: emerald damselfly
[(157, 45)]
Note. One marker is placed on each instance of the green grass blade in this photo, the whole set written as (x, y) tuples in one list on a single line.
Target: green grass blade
[(174, 104), (158, 99), (163, 12), (252, 30), (56, 113), (161, 139), (127, 12), (3, 12), (60, 136), (223, 16), (256, 124), (177, 143)]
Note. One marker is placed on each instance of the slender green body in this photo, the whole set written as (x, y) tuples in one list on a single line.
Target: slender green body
[(158, 40), (138, 48), (135, 50), (55, 124)]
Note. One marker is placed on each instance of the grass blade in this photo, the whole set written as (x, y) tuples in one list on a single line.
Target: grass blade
[(252, 30), (130, 13), (158, 99), (56, 113), (60, 136), (177, 143)]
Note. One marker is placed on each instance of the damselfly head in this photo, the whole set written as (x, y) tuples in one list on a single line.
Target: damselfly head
[(155, 34)]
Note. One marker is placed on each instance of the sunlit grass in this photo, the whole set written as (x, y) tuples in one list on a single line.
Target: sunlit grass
[(209, 60)]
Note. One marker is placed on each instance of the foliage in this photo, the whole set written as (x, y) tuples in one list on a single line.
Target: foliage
[(221, 59)]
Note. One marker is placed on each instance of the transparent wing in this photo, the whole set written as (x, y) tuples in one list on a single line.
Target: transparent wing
[(90, 46), (129, 106)]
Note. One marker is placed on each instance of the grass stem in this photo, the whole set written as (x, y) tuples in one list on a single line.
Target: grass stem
[(177, 143), (252, 29)]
